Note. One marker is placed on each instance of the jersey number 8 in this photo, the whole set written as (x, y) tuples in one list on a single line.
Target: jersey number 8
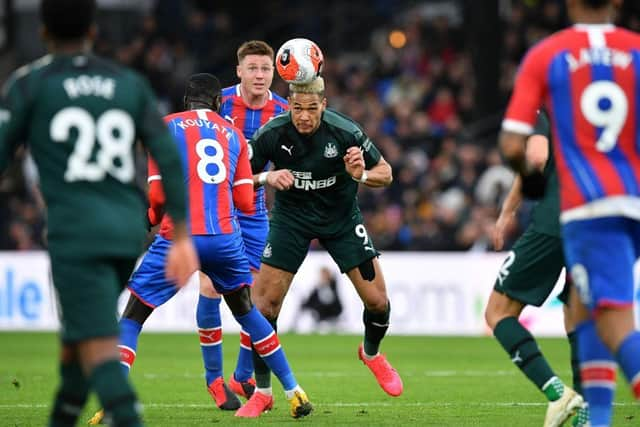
[(207, 159), (114, 132)]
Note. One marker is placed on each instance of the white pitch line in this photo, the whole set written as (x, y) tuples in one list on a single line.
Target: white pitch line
[(332, 404), (338, 374)]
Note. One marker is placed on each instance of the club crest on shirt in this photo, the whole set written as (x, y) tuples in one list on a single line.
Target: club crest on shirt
[(330, 150)]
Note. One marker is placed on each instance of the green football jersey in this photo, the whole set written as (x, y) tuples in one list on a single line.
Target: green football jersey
[(324, 194), (546, 213), (80, 116)]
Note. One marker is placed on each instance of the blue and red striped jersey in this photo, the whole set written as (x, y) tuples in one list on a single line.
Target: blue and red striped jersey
[(217, 173), (588, 78), (248, 120)]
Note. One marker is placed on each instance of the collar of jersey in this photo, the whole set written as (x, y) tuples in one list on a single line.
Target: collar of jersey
[(587, 27)]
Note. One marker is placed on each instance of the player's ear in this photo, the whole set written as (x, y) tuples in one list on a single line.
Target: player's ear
[(239, 71), (324, 103), (216, 103)]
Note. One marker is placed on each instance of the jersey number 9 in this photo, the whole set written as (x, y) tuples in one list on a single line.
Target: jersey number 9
[(604, 104)]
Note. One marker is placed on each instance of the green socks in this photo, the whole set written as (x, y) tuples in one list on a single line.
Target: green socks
[(115, 394), (71, 396), (375, 327), (525, 354), (575, 363)]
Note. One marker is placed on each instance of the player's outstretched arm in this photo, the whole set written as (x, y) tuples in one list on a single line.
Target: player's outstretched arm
[(379, 175)]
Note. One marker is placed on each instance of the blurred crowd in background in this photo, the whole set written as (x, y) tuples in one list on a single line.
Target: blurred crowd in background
[(402, 69)]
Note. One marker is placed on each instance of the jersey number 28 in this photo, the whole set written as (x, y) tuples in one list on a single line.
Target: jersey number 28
[(114, 132)]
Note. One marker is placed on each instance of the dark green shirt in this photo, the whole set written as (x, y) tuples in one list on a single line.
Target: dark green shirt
[(81, 116), (546, 213), (324, 194)]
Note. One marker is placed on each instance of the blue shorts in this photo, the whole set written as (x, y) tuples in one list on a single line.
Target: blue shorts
[(148, 282), (600, 254), (222, 258), (255, 230)]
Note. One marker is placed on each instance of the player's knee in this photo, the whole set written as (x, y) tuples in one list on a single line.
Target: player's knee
[(490, 317), (380, 304), (501, 306), (206, 287), (268, 299), (493, 314), (136, 310), (239, 302)]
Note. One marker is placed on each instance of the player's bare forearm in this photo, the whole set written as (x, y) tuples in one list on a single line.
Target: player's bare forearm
[(507, 214), (281, 179), (380, 175), (514, 198)]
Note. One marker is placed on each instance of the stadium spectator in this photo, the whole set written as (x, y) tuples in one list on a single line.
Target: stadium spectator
[(324, 302), (391, 91)]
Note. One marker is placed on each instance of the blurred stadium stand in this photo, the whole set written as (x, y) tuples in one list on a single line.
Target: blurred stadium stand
[(428, 80)]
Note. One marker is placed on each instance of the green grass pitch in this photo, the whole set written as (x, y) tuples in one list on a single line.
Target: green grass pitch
[(449, 381)]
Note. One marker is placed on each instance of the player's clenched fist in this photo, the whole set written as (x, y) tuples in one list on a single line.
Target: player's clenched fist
[(354, 162), (281, 179)]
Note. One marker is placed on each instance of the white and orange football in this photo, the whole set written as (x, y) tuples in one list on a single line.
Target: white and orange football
[(299, 61)]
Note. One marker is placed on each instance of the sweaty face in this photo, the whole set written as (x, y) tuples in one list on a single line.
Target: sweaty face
[(256, 74), (306, 111)]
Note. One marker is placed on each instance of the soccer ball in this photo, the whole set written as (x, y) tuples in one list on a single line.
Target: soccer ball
[(299, 61)]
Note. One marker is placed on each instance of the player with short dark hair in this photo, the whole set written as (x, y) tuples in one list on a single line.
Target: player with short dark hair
[(587, 76), (81, 116), (219, 181), (527, 277), (319, 157), (248, 105), (149, 288)]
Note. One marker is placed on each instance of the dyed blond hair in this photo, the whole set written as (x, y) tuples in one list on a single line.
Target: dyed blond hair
[(315, 86)]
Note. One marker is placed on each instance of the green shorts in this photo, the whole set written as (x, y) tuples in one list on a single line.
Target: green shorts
[(532, 268), (287, 246), (88, 291)]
